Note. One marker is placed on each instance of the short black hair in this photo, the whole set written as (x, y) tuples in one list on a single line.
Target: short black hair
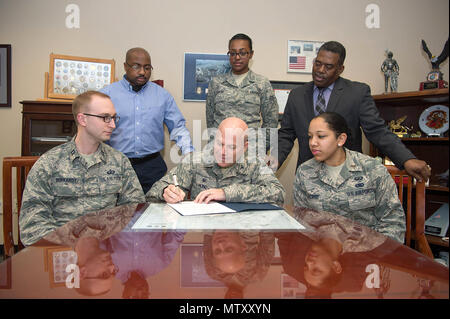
[(241, 36), (335, 47), (337, 124)]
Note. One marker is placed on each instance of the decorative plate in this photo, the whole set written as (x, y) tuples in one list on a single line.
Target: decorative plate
[(434, 120)]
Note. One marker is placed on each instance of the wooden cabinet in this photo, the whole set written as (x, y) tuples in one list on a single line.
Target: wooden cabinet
[(46, 124), (433, 150)]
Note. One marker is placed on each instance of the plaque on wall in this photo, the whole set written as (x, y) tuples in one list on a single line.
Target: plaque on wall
[(72, 75)]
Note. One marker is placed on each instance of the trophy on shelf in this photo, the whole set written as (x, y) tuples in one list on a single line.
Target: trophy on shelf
[(435, 76), (398, 129)]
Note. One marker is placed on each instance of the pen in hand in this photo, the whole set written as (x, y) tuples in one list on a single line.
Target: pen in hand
[(175, 182), (173, 193)]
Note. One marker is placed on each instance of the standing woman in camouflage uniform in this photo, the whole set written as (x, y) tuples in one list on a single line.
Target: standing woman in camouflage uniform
[(346, 182), (242, 93)]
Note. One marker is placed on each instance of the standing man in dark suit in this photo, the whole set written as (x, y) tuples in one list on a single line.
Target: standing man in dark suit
[(353, 100)]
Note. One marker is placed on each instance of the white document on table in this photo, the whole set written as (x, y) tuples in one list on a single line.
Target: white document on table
[(160, 216), (157, 217), (189, 208)]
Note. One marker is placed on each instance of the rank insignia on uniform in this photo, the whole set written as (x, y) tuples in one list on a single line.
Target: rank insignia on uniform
[(358, 178), (110, 172), (359, 185)]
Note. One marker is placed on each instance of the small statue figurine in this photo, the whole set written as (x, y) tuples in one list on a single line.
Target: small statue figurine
[(397, 128), (391, 71), (435, 74)]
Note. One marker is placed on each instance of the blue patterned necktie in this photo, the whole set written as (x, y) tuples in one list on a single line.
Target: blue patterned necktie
[(320, 105)]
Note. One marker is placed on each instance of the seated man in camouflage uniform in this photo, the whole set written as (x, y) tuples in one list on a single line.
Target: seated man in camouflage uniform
[(80, 176), (223, 173)]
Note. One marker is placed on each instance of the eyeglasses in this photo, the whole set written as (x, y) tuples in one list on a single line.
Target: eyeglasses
[(137, 67), (242, 54), (106, 274), (106, 118)]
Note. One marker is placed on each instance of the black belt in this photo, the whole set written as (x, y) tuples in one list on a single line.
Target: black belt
[(138, 160)]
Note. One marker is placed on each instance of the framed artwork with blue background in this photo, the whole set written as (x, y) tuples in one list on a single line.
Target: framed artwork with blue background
[(199, 69), (193, 273)]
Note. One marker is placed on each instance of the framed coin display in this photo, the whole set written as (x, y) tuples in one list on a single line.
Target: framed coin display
[(72, 75), (56, 260)]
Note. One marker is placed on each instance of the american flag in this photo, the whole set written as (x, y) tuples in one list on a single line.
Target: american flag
[(297, 62)]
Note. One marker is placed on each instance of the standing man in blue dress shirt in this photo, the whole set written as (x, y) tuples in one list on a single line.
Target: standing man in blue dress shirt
[(144, 107)]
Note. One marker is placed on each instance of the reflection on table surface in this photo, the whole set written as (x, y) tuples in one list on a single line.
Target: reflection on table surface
[(99, 255)]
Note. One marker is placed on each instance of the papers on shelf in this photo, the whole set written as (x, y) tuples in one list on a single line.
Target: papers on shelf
[(163, 217)]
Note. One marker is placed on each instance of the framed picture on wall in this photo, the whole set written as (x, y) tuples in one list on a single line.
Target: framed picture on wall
[(199, 69), (282, 90), (73, 75), (56, 259), (301, 54), (291, 288), (193, 273), (5, 75)]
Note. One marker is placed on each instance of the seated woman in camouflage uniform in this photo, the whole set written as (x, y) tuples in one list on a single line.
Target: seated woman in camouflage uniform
[(346, 182)]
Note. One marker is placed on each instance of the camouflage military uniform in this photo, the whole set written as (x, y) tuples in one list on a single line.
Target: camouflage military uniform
[(251, 101), (100, 224), (62, 186), (353, 236), (242, 182), (363, 192)]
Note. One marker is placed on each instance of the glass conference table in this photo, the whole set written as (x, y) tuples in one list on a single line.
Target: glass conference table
[(151, 251)]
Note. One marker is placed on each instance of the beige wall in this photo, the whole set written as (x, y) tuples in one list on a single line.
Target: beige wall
[(168, 28)]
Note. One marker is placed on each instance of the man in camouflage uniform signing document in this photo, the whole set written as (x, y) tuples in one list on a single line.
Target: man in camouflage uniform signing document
[(221, 173), (80, 176)]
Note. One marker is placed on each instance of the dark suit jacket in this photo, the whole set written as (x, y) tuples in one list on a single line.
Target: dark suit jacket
[(354, 102)]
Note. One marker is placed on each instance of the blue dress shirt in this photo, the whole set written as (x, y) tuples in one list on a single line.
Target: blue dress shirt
[(326, 95), (144, 252), (140, 131)]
